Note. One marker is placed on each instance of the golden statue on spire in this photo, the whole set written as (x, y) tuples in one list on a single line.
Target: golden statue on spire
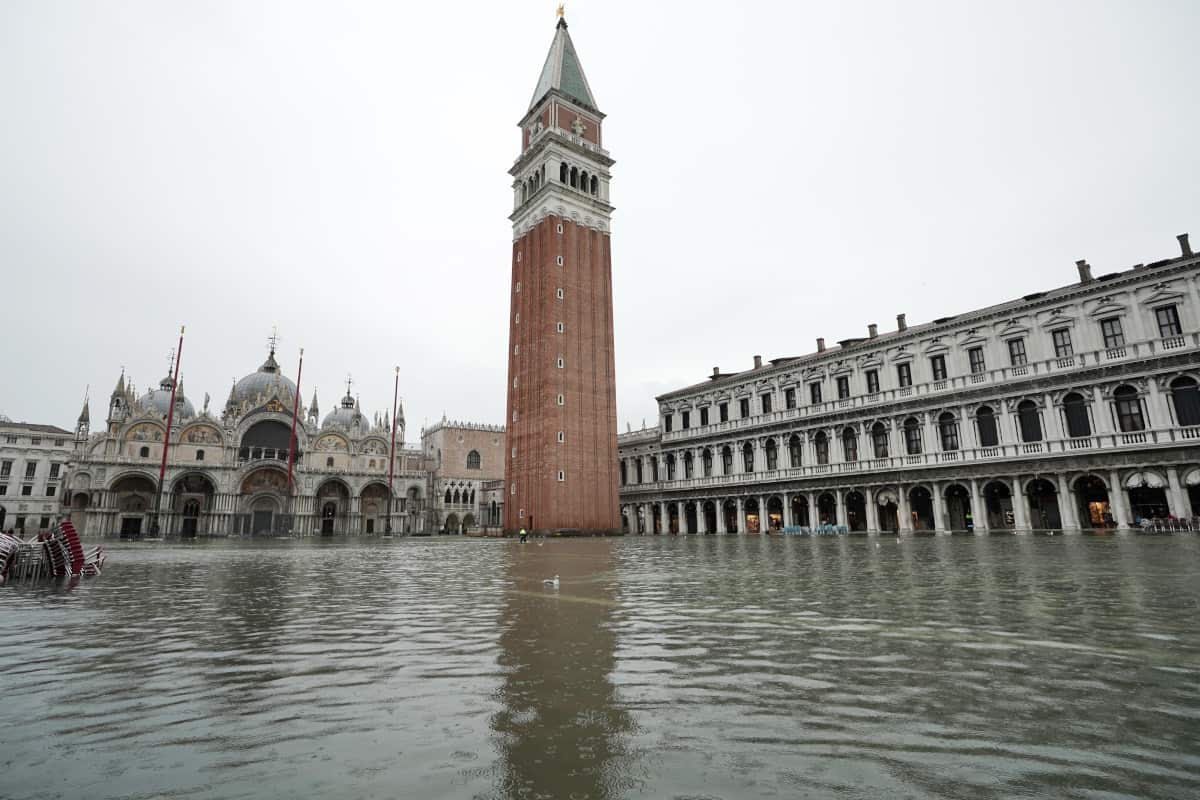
[(561, 10)]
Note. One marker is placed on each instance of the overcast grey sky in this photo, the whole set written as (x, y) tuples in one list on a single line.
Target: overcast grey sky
[(784, 171)]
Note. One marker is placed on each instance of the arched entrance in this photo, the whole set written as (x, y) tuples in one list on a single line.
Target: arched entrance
[(80, 502), (731, 516), (656, 518), (374, 502), (997, 502), (959, 514), (263, 511), (774, 513), (266, 490), (333, 504), (710, 516), (451, 525), (689, 517), (1094, 508), (827, 509), (624, 519), (191, 500), (800, 510), (133, 496), (856, 511), (1147, 496), (921, 503), (889, 511), (673, 521), (1043, 505), (753, 521)]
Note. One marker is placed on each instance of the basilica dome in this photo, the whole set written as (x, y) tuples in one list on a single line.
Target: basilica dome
[(159, 400), (257, 387), (347, 416)]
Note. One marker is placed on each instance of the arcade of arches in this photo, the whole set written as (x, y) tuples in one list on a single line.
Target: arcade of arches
[(1081, 500)]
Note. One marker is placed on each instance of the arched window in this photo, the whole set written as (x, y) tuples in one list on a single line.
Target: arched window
[(1129, 410), (638, 470), (948, 431), (748, 457), (524, 193), (595, 185), (1075, 411), (985, 421), (1186, 396), (795, 449), (457, 497), (688, 464), (448, 494), (144, 452), (199, 455), (473, 460), (912, 436), (329, 462), (670, 466), (583, 180), (879, 437), (850, 444), (574, 177), (1030, 422), (654, 468), (772, 455), (624, 473), (726, 460), (707, 460), (562, 172), (821, 445)]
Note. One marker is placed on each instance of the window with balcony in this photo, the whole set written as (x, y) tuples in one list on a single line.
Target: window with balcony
[(744, 407), (670, 466), (879, 440), (985, 423), (789, 398), (821, 445), (904, 375), (814, 393), (5, 469), (31, 470), (723, 412), (747, 457), (624, 474), (850, 444), (912, 436), (937, 365), (1167, 318), (704, 416), (1029, 421), (689, 465), (948, 432), (686, 421), (772, 454), (668, 421), (872, 381), (795, 449), (1016, 353), (766, 403), (1075, 413), (654, 468), (726, 460), (706, 462), (1185, 395), (1062, 343), (1110, 329), (843, 387), (637, 469), (1130, 418), (975, 356), (54, 469)]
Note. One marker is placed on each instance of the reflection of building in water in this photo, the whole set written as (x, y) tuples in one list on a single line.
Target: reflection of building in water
[(561, 732), (1076, 407), (227, 470)]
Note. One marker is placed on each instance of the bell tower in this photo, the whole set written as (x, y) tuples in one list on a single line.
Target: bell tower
[(561, 474)]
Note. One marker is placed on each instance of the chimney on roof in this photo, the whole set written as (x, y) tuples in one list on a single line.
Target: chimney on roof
[(716, 372), (872, 330), (758, 362), (901, 323), (1185, 248), (820, 344), (1085, 271)]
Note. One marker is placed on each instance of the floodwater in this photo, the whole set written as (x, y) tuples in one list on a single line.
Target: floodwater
[(664, 667)]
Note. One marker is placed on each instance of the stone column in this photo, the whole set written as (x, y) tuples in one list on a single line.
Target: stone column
[(978, 508), (813, 520), (1119, 500), (721, 516), (839, 508), (762, 514), (904, 510), (787, 510), (701, 520), (1179, 503), (939, 507), (1157, 416), (1020, 506), (1068, 504), (681, 525), (872, 509)]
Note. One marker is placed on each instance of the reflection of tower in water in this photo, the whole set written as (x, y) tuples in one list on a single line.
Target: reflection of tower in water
[(560, 732)]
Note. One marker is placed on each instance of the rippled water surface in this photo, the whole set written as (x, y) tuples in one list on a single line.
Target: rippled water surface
[(714, 667)]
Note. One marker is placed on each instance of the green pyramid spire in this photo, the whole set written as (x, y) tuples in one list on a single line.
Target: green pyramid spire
[(563, 72)]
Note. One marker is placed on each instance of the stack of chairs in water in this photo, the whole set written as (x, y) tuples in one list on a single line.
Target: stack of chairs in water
[(57, 554)]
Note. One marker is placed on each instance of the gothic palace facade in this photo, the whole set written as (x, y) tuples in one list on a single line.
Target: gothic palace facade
[(1073, 408), (226, 472)]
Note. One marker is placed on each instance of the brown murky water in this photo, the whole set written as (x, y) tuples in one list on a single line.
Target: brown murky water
[(714, 667)]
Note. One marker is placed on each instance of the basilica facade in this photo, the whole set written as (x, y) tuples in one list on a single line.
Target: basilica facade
[(227, 470), (1072, 408)]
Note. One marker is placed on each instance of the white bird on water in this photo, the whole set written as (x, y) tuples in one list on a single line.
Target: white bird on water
[(551, 581)]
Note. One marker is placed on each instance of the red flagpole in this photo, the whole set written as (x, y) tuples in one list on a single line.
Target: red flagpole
[(392, 454), (295, 412), (162, 469)]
